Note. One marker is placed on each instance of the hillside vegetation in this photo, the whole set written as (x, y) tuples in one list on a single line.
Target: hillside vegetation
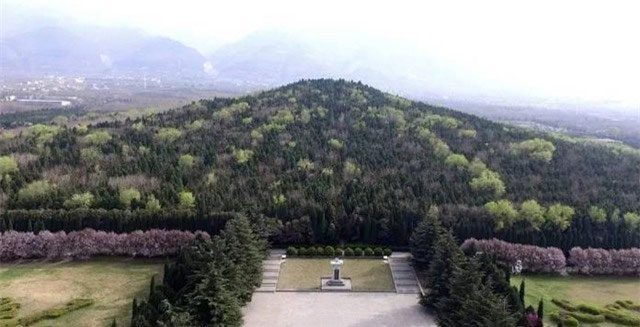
[(325, 160)]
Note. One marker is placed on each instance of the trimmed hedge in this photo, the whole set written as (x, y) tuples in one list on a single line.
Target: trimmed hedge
[(119, 221), (622, 318), (590, 309), (565, 319), (8, 308), (330, 251), (551, 260), (87, 243), (588, 318), (55, 312)]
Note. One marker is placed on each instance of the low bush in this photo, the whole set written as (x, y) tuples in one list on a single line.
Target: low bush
[(339, 251), (378, 252), (387, 251), (586, 317), (320, 251), (622, 318), (358, 252), (590, 309), (311, 251), (329, 250), (349, 252), (564, 304), (368, 252), (302, 251), (55, 312), (571, 322), (8, 308), (628, 304), (292, 251), (564, 319)]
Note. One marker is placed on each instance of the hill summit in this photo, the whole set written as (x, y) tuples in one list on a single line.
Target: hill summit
[(332, 160)]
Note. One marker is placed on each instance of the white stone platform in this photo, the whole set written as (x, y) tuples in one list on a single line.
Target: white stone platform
[(325, 287)]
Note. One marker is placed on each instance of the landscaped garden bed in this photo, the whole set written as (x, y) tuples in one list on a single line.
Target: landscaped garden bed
[(367, 275), (88, 293), (585, 300)]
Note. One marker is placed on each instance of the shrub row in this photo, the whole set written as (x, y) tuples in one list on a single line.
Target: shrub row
[(593, 315), (330, 251), (8, 308), (55, 312), (121, 221), (533, 258), (552, 260), (605, 262), (87, 243)]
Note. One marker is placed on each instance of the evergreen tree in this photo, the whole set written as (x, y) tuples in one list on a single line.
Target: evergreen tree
[(212, 301), (446, 258), (423, 238), (540, 309), (521, 292), (243, 247)]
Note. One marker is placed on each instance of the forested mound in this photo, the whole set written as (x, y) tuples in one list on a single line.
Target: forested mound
[(323, 161)]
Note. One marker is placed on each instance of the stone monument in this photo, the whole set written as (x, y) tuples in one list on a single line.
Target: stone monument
[(336, 282), (336, 266)]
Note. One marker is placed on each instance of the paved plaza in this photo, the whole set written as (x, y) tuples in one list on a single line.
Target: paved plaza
[(354, 309)]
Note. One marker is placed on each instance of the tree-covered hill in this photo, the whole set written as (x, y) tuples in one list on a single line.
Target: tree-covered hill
[(333, 161)]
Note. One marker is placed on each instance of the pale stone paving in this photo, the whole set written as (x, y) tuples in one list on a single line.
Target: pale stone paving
[(271, 271), (404, 276)]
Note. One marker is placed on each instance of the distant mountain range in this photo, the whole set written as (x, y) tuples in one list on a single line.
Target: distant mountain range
[(97, 51), (261, 60)]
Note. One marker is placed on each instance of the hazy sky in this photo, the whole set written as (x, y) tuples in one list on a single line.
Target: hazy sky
[(588, 50)]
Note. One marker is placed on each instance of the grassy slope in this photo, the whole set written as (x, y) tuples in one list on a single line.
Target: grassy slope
[(365, 274), (578, 289), (112, 283)]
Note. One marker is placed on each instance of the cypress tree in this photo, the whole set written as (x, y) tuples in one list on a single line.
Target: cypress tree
[(152, 286), (447, 257), (423, 238), (521, 292), (540, 309), (134, 312)]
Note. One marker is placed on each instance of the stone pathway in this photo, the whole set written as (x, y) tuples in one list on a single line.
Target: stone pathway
[(404, 277), (271, 271)]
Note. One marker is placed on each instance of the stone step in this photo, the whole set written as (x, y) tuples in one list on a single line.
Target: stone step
[(270, 274), (406, 282), (408, 290), (271, 267), (407, 275), (266, 289), (269, 280)]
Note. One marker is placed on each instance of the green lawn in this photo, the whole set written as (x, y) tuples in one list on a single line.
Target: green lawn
[(111, 283), (598, 291), (366, 274)]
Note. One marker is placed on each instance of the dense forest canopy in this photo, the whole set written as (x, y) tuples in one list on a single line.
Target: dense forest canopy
[(332, 160)]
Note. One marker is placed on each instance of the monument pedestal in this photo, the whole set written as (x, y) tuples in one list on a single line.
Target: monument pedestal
[(335, 282), (327, 286)]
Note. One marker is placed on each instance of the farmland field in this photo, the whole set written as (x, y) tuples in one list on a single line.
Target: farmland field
[(598, 291), (111, 283)]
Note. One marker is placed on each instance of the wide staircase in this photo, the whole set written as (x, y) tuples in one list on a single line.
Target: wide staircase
[(271, 271), (404, 276)]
